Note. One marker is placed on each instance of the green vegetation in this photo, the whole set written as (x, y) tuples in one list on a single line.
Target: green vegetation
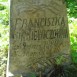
[(72, 21), (3, 0), (73, 39), (72, 8), (4, 34)]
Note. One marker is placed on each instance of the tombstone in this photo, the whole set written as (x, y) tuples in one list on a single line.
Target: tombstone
[(38, 35)]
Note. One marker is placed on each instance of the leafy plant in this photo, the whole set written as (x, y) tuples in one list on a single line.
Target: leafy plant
[(4, 36), (73, 39), (3, 0), (2, 7), (72, 8)]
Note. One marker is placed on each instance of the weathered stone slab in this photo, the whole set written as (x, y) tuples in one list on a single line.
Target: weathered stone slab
[(38, 33)]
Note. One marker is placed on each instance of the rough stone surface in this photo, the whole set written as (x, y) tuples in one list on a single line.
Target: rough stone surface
[(38, 34)]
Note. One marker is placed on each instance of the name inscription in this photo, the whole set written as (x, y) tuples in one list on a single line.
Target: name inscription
[(40, 28)]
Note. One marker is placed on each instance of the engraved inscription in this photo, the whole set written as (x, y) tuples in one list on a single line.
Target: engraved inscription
[(32, 28)]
